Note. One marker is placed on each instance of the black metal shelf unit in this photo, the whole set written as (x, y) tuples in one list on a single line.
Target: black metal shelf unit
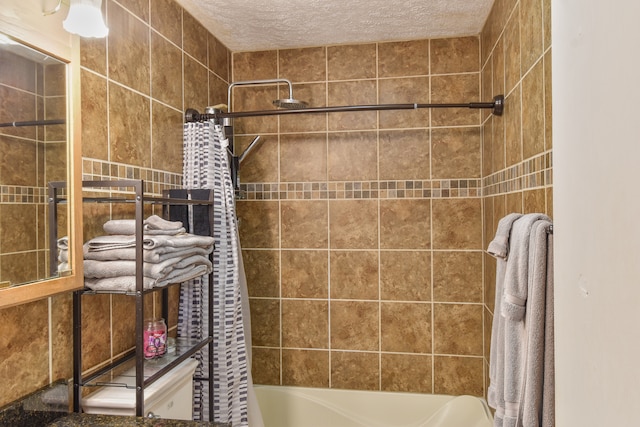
[(186, 348)]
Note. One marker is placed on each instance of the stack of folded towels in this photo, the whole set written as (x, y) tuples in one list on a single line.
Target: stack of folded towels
[(170, 255)]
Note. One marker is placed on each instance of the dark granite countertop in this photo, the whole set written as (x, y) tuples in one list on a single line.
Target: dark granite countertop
[(50, 407), (75, 420)]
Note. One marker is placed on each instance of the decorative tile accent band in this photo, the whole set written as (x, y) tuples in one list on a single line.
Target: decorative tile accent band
[(535, 172), (10, 194), (418, 189), (155, 181)]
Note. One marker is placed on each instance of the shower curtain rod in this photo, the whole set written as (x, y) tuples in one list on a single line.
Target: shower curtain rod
[(32, 123), (191, 115)]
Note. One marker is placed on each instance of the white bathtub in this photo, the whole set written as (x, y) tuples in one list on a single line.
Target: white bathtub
[(317, 407)]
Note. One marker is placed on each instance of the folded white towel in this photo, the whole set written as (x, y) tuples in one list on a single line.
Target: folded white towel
[(102, 243), (154, 255), (154, 225), (105, 269), (128, 283)]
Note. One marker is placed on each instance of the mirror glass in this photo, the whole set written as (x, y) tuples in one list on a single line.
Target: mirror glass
[(34, 153)]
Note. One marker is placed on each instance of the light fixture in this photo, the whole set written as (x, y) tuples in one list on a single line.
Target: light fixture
[(85, 19)]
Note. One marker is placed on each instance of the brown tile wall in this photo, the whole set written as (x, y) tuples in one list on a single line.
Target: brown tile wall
[(362, 232), (416, 315), (517, 147), (157, 61)]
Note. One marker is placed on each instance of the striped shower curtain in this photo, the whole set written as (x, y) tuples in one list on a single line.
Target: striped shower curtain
[(206, 166)]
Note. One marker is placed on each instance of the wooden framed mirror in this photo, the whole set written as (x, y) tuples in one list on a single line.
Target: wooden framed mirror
[(40, 145)]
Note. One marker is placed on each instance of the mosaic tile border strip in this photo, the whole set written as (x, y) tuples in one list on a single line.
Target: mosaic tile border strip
[(17, 194), (155, 181), (406, 189), (535, 172)]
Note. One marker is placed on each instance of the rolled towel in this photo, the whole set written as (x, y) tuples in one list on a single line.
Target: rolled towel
[(154, 222), (63, 243)]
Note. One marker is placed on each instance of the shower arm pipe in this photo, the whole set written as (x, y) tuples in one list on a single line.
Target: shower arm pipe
[(256, 82), (497, 105), (32, 123)]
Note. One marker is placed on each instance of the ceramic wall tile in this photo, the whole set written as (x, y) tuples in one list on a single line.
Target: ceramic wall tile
[(303, 157), (354, 325), (405, 224), (355, 92), (309, 368), (130, 138), (348, 62), (455, 55), (124, 27), (305, 274), (166, 82), (304, 224), (262, 268), (405, 327), (457, 276), (354, 275), (458, 329), (305, 324), (94, 111), (165, 131), (355, 370), (456, 152), (405, 154), (303, 65), (407, 58), (533, 118), (406, 372), (25, 349), (405, 275), (454, 375), (166, 18), (353, 224)]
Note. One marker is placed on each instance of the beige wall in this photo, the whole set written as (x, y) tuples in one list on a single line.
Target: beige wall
[(517, 147), (133, 98), (362, 232), (596, 241)]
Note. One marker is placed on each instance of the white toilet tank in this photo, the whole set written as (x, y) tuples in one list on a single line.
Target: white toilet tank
[(170, 397)]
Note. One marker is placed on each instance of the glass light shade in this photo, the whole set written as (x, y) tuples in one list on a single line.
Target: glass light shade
[(85, 19)]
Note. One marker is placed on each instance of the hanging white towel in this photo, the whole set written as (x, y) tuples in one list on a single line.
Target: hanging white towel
[(521, 342)]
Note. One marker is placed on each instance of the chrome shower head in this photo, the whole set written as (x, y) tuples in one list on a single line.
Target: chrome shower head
[(290, 104)]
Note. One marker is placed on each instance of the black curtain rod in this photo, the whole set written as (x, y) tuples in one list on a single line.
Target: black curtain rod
[(32, 123), (191, 115)]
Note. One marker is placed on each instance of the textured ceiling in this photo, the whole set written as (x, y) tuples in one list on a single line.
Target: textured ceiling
[(245, 25)]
